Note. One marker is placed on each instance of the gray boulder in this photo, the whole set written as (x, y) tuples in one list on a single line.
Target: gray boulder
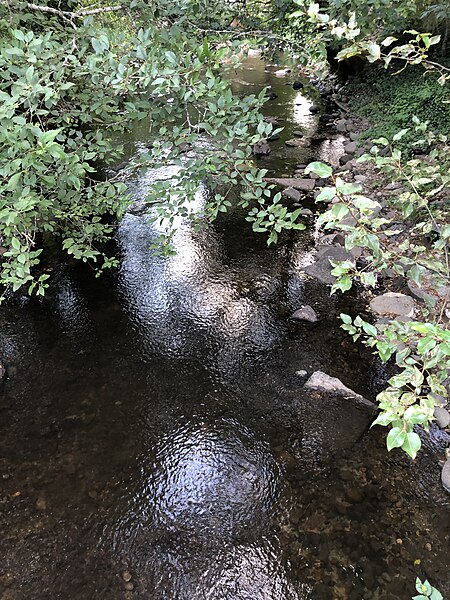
[(321, 270), (298, 183), (442, 417), (306, 313), (393, 304), (320, 381), (445, 476), (292, 193)]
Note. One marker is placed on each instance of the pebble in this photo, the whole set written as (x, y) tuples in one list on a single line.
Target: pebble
[(129, 586), (126, 576), (41, 503)]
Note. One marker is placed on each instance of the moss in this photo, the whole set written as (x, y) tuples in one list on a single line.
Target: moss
[(390, 101)]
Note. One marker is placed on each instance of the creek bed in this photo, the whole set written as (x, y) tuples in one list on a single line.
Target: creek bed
[(157, 442)]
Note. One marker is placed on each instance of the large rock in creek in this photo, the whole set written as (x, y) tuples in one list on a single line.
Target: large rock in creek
[(306, 313), (321, 382), (442, 417), (334, 416), (298, 183), (321, 270), (393, 304)]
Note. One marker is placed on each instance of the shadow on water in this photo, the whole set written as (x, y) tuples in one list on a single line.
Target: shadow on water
[(157, 443)]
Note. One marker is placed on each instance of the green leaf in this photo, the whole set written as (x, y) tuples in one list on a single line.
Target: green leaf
[(411, 444), (395, 439), (327, 193), (398, 136), (320, 169)]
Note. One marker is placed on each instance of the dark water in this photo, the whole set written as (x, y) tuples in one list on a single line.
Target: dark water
[(154, 427)]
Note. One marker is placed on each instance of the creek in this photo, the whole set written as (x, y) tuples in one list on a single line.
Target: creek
[(156, 441)]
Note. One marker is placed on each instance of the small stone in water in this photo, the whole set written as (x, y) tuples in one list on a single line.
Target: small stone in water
[(129, 586), (126, 576)]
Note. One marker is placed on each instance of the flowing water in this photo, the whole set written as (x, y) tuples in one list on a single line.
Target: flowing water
[(157, 442)]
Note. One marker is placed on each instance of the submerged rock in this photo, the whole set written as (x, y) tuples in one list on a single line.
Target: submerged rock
[(298, 143), (306, 313), (442, 417), (322, 382), (261, 149), (297, 85), (445, 476), (394, 304)]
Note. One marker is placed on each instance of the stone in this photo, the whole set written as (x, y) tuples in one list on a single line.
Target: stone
[(307, 212), (353, 136), (298, 133), (419, 293), (393, 304), (292, 193), (298, 143), (301, 373), (442, 417), (271, 95), (298, 183), (345, 158), (2, 371), (297, 85), (341, 126), (126, 576), (445, 476), (314, 108), (395, 185), (272, 120), (261, 149), (321, 269), (333, 239), (350, 148), (306, 313), (274, 137), (360, 178), (322, 382), (41, 503)]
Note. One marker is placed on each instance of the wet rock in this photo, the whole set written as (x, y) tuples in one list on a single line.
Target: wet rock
[(306, 313), (419, 293), (271, 95), (341, 126), (333, 239), (350, 148), (314, 109), (393, 304), (282, 72), (304, 185), (298, 133), (345, 158), (327, 118), (321, 270), (261, 149), (445, 476), (273, 138), (307, 212), (298, 143), (325, 383), (297, 85), (360, 178), (292, 193), (272, 120), (442, 417), (354, 136)]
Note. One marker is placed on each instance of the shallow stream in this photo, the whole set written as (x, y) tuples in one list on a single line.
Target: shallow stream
[(156, 441)]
